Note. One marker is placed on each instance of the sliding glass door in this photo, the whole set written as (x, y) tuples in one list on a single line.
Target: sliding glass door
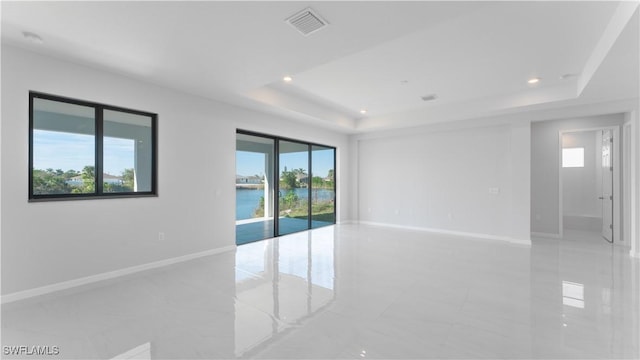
[(323, 186), (294, 187), (254, 188), (301, 192)]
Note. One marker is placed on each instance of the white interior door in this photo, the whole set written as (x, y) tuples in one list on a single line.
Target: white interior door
[(607, 185)]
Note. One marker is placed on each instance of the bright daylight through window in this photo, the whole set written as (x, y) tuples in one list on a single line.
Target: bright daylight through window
[(282, 186), (80, 149), (572, 157)]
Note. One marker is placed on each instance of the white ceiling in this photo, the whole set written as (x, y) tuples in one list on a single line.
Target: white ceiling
[(380, 56)]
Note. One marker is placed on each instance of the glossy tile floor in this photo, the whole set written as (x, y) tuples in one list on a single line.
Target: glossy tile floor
[(354, 291), (257, 230)]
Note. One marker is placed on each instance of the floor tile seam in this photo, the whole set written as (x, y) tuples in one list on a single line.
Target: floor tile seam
[(263, 346), (397, 297), (279, 321)]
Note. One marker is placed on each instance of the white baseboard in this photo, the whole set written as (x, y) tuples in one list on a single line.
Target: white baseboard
[(47, 289), (546, 235), (526, 242), (346, 222)]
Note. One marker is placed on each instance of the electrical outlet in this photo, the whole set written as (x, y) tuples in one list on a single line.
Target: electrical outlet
[(161, 236)]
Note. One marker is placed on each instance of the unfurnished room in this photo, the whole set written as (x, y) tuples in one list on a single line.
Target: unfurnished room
[(320, 180)]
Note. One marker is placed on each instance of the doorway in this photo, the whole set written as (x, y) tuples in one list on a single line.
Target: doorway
[(589, 182), (283, 186)]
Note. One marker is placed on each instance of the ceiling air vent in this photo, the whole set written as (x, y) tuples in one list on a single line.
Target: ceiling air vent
[(307, 21), (429, 97)]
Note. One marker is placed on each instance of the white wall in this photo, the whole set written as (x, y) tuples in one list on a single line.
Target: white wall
[(581, 186), (633, 117), (441, 180), (545, 165), (626, 171), (50, 242)]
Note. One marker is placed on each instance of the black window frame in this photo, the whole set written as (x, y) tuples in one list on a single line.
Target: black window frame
[(98, 152), (276, 176)]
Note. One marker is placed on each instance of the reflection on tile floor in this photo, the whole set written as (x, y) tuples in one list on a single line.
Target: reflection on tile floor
[(247, 232), (353, 291)]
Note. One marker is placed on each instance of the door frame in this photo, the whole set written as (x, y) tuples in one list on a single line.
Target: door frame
[(617, 150), (276, 177), (627, 220)]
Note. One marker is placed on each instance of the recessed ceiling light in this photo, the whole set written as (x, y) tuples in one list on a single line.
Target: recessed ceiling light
[(363, 111), (287, 79), (534, 80), (34, 38)]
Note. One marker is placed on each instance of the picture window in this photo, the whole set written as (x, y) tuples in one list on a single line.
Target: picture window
[(80, 150)]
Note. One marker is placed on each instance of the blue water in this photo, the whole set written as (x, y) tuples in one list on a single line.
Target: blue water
[(248, 200)]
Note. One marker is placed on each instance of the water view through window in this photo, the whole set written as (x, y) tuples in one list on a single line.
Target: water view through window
[(81, 150), (301, 192)]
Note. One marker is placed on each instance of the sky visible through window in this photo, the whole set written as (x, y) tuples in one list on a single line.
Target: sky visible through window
[(572, 157), (249, 163), (69, 151)]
